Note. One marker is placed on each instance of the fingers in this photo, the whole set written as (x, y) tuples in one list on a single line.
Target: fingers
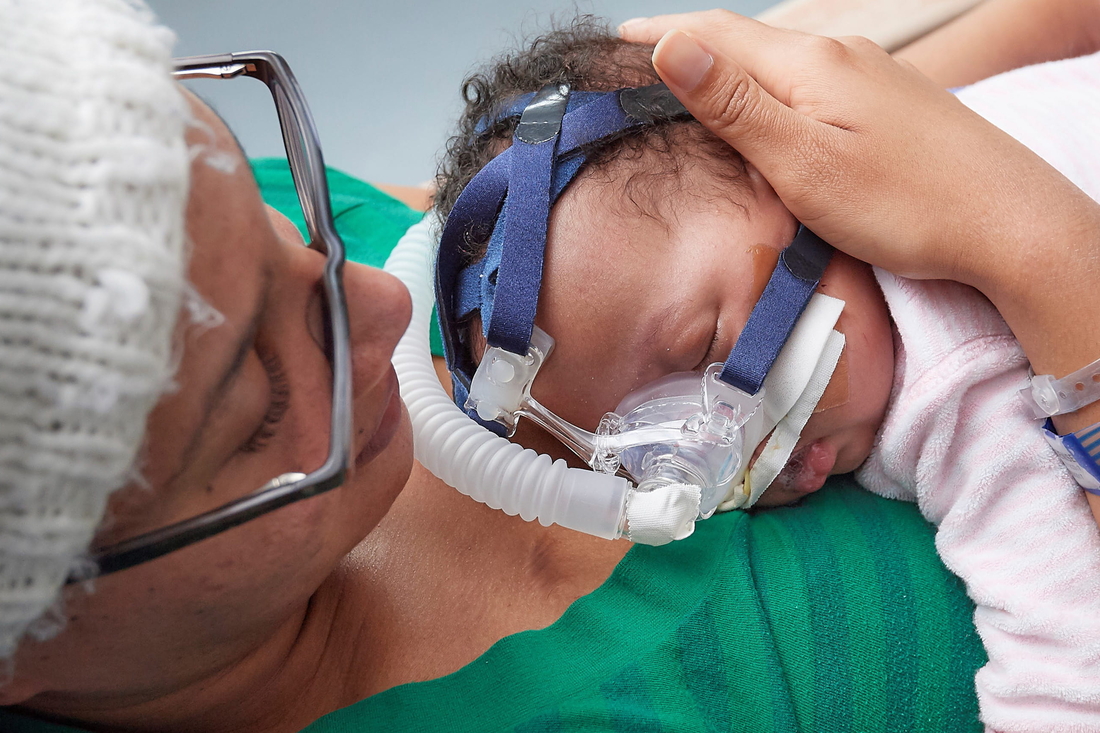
[(770, 55), (681, 61), (725, 98), (651, 30), (756, 46)]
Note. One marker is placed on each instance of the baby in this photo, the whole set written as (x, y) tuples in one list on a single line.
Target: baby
[(656, 254)]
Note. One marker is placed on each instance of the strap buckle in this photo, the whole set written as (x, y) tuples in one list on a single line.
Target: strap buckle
[(1046, 396)]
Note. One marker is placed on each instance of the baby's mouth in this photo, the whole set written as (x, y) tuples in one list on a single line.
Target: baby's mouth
[(807, 469)]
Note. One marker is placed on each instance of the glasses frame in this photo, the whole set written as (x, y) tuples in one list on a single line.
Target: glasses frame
[(307, 168)]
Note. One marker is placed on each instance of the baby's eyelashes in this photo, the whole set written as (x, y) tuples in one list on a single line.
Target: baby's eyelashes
[(714, 352)]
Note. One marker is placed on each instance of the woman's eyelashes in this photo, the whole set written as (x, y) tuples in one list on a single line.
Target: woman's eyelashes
[(277, 406)]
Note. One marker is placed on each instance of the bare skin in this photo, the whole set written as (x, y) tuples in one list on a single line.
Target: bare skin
[(245, 616), (999, 35), (441, 561)]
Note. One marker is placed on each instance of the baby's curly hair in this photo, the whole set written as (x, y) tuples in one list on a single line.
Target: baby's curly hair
[(588, 56)]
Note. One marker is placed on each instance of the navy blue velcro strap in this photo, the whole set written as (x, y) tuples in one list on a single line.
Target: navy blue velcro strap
[(467, 294), (477, 206), (512, 111), (476, 284), (489, 273), (525, 216), (515, 109), (594, 121), (526, 211), (643, 104), (475, 287), (789, 289)]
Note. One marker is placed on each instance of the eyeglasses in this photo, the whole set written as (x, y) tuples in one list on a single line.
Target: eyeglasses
[(307, 167)]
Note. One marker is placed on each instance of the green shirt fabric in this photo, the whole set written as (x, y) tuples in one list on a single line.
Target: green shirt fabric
[(835, 615)]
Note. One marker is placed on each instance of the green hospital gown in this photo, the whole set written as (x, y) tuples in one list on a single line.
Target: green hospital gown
[(835, 615)]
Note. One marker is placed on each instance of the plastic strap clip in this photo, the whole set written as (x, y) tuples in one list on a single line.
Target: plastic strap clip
[(541, 120), (652, 103)]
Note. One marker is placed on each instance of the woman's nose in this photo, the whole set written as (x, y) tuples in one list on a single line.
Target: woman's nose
[(379, 309)]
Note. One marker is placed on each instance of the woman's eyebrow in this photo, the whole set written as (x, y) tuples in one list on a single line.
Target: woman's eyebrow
[(244, 345)]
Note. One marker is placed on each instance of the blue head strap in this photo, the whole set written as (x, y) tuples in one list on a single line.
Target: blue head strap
[(511, 197)]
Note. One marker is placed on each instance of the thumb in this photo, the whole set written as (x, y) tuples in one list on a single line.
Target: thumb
[(729, 102)]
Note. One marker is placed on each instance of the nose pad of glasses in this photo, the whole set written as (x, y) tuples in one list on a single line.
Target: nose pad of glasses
[(319, 321), (282, 480)]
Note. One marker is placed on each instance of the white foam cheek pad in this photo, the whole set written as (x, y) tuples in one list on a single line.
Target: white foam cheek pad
[(793, 386)]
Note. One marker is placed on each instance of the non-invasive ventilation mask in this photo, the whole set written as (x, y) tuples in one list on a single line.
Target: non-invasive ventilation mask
[(685, 440)]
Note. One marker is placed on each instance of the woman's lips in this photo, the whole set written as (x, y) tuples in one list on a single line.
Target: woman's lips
[(387, 427)]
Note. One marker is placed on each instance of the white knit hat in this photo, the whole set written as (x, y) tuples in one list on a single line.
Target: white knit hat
[(93, 185)]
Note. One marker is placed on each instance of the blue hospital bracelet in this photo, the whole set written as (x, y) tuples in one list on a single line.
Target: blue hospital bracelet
[(1080, 452)]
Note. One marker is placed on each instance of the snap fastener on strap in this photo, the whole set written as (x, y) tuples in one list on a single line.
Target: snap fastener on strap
[(541, 120), (652, 103)]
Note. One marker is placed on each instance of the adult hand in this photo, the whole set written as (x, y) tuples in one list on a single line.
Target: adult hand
[(867, 152)]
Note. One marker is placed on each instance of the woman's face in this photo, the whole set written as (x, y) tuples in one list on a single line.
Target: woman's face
[(252, 402)]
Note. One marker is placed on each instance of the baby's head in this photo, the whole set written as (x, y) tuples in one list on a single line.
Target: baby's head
[(656, 254)]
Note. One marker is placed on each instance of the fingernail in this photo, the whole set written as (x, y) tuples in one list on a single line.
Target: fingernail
[(632, 22), (681, 60)]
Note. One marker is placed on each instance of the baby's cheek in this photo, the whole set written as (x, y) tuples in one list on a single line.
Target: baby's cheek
[(855, 446)]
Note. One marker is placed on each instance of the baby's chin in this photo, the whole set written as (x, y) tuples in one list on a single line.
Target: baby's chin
[(806, 472)]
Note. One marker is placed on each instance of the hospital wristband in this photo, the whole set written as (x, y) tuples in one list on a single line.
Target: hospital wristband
[(1080, 452), (1047, 396)]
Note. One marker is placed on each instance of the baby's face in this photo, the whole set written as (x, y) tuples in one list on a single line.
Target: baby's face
[(630, 297)]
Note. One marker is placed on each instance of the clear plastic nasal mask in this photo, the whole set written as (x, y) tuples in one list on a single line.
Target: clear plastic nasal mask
[(685, 440), (685, 428)]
